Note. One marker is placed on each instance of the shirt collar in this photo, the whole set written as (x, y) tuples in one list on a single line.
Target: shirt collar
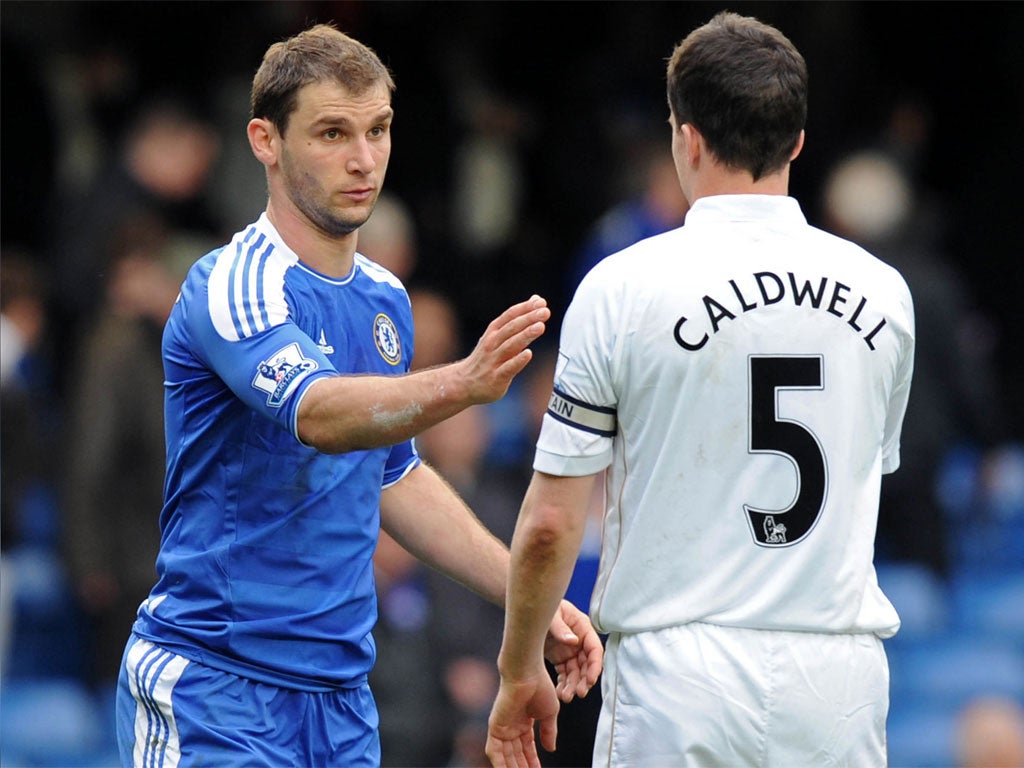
[(264, 225), (719, 208)]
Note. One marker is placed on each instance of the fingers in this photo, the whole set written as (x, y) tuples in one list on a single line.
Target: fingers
[(593, 651), (575, 648), (511, 368), (560, 628), (518, 752), (517, 709), (583, 671), (548, 733), (534, 308), (573, 678), (503, 351), (520, 324)]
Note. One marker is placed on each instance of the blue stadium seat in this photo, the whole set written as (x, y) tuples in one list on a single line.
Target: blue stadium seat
[(920, 599), (922, 736), (48, 722), (991, 605), (46, 623), (950, 670), (985, 517)]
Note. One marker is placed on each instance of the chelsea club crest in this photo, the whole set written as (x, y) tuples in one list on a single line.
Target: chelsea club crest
[(386, 336)]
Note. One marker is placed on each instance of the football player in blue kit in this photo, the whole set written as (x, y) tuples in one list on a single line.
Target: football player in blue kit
[(289, 416)]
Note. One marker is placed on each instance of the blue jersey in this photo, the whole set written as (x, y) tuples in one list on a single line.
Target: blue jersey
[(266, 558)]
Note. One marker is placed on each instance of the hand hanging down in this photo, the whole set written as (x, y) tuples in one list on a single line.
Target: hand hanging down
[(544, 549)]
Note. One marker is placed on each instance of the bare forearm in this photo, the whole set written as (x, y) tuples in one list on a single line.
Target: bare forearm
[(544, 551), (425, 515), (349, 413)]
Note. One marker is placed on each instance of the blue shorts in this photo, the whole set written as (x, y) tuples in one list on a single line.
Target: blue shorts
[(175, 712)]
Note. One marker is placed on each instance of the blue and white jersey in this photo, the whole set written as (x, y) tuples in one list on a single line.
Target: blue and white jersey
[(265, 566)]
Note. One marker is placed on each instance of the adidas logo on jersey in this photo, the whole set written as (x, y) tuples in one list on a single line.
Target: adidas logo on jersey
[(322, 344)]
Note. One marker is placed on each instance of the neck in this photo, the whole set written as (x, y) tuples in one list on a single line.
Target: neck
[(331, 256), (718, 180)]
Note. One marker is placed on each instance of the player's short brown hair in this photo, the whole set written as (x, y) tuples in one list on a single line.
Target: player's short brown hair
[(743, 85), (320, 53)]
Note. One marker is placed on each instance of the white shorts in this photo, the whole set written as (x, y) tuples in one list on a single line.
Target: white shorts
[(706, 695)]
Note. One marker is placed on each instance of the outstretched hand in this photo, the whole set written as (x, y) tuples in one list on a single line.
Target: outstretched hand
[(575, 650), (503, 350)]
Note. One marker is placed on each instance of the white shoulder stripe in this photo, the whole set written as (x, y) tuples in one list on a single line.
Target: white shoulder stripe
[(246, 291), (376, 272)]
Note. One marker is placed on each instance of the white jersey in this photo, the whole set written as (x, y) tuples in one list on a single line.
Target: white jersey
[(743, 379)]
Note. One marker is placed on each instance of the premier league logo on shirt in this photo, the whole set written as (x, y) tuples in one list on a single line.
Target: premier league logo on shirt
[(280, 374), (386, 336)]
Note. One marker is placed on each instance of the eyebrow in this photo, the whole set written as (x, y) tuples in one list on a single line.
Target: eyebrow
[(384, 115)]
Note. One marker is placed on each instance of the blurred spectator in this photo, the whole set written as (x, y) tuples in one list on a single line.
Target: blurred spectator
[(22, 320), (415, 725), (389, 237), (112, 493), (161, 169), (655, 204), (869, 199), (438, 328), (487, 224), (30, 421), (27, 429), (990, 734), (465, 629), (489, 173)]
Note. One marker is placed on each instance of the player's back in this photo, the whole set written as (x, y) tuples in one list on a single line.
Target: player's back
[(760, 369)]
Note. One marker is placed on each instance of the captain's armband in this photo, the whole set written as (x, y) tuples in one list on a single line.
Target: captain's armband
[(595, 419)]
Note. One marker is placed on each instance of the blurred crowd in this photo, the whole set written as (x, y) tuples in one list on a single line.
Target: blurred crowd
[(517, 165)]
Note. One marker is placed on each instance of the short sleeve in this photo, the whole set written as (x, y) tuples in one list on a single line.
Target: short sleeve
[(901, 391), (580, 423), (402, 459), (269, 371)]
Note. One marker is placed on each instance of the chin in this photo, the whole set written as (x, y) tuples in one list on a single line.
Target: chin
[(338, 226)]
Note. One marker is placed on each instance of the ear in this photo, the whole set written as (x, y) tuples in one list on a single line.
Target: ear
[(799, 146), (264, 140), (693, 143)]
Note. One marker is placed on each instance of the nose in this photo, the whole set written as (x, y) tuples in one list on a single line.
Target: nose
[(361, 160)]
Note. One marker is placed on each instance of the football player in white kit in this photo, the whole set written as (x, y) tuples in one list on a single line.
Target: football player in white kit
[(743, 381)]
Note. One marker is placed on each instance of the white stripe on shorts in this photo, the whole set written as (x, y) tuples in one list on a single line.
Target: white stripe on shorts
[(152, 675)]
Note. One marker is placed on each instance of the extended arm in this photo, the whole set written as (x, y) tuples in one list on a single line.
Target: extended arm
[(544, 551), (428, 518), (346, 413)]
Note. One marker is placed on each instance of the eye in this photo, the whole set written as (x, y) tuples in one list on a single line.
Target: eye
[(331, 134), (378, 130)]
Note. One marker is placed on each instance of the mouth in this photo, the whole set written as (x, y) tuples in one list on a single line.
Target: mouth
[(359, 195)]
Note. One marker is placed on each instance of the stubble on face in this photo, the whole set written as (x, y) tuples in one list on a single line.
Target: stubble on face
[(333, 162), (308, 196)]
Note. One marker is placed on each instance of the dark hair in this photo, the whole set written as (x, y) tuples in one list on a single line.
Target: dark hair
[(743, 85), (320, 53)]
